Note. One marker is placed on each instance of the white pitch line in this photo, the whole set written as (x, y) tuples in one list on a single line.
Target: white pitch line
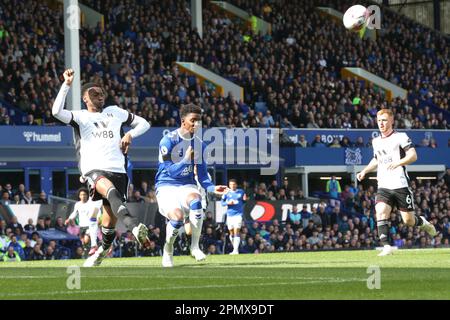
[(175, 288), (165, 276)]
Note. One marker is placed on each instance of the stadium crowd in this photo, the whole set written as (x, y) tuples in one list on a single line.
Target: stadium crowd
[(342, 221), (290, 78)]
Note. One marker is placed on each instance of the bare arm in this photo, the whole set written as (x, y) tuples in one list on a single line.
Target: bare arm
[(373, 164), (58, 106)]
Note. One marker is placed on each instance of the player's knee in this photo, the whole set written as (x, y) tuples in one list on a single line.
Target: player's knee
[(409, 220), (176, 215), (383, 216), (195, 204)]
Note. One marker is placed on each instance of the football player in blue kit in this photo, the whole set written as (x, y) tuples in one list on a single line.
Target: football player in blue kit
[(176, 189)]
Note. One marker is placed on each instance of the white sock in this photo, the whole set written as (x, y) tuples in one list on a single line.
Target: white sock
[(196, 220), (93, 230), (236, 242)]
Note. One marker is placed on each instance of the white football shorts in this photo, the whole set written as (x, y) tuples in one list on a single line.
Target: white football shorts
[(234, 222), (174, 197)]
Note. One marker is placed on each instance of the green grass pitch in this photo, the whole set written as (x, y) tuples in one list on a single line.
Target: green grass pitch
[(408, 274)]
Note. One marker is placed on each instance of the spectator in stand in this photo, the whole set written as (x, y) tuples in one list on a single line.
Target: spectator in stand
[(9, 190), (137, 197), (49, 254), (5, 198), (333, 188), (306, 215), (359, 142), (73, 229), (433, 143), (48, 223), (315, 217), (28, 198), (42, 198), (28, 249), (40, 225), (30, 121), (302, 142), (15, 224), (30, 228), (37, 254), (211, 249), (425, 143), (144, 189), (78, 253), (59, 225), (317, 143), (152, 250), (16, 199), (335, 143), (16, 246), (345, 143), (21, 191), (11, 255)]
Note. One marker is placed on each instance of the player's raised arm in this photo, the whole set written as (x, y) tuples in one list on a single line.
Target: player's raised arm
[(373, 164), (139, 125), (58, 106)]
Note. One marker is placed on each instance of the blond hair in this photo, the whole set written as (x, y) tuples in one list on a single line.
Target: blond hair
[(385, 111)]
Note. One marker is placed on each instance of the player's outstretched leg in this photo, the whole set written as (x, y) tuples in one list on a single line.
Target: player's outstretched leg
[(106, 188), (412, 220), (172, 229), (196, 223), (427, 226)]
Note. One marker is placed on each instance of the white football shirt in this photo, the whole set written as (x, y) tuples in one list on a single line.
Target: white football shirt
[(388, 150), (97, 138), (85, 211)]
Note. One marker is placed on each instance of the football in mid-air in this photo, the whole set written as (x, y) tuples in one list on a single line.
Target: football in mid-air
[(355, 17)]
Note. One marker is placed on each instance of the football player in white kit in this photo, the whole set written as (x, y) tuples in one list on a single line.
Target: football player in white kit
[(392, 152), (87, 210), (102, 148), (176, 190)]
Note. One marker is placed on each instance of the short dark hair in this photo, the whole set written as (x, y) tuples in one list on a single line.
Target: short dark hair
[(189, 108), (89, 85), (232, 180), (82, 190)]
